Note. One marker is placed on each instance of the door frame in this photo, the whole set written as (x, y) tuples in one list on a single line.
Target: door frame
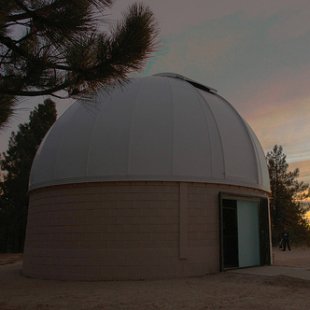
[(264, 226)]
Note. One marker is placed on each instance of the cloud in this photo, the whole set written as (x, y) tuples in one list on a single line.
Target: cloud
[(279, 113), (292, 26), (267, 81), (227, 44), (285, 95), (291, 131), (175, 16), (197, 53), (304, 169)]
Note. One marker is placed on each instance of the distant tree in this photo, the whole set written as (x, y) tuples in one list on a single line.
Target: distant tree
[(287, 210), (15, 165), (52, 45)]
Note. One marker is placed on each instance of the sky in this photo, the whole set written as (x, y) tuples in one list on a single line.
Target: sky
[(255, 53)]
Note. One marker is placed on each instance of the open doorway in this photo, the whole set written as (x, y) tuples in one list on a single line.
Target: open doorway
[(230, 234), (244, 232)]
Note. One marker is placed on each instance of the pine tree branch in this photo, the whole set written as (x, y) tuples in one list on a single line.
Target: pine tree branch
[(62, 49), (32, 93), (11, 44)]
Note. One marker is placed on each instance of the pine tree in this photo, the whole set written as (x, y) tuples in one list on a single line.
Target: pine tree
[(16, 164), (47, 46), (287, 212)]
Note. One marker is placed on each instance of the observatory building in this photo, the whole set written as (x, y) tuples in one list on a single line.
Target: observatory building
[(160, 178)]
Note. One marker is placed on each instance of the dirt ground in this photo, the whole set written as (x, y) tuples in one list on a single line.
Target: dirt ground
[(225, 290), (298, 257)]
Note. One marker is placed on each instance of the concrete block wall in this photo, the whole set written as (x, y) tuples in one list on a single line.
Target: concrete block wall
[(124, 230)]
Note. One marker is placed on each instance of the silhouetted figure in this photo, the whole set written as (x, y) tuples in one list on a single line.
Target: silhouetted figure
[(285, 241)]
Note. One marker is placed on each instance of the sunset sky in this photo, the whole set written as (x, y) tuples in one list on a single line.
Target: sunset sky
[(255, 53)]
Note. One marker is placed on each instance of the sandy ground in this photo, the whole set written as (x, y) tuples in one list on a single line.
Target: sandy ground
[(298, 257), (226, 290)]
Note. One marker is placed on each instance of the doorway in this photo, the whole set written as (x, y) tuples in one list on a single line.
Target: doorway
[(243, 232), (230, 234)]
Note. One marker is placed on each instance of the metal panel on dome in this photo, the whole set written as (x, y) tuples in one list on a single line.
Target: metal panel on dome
[(111, 134), (150, 149), (238, 151), (191, 143)]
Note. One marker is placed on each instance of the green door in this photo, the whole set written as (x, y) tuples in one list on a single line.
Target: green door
[(248, 233)]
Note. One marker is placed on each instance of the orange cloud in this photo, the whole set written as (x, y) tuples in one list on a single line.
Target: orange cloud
[(304, 169), (278, 109), (286, 124)]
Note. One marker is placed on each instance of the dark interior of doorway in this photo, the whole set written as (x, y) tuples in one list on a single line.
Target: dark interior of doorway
[(230, 233)]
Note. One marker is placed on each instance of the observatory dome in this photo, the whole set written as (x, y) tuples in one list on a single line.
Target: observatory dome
[(159, 128)]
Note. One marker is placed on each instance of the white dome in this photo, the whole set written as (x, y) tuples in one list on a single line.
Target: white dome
[(159, 128)]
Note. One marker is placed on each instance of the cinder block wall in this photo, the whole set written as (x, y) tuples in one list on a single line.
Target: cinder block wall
[(124, 230)]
